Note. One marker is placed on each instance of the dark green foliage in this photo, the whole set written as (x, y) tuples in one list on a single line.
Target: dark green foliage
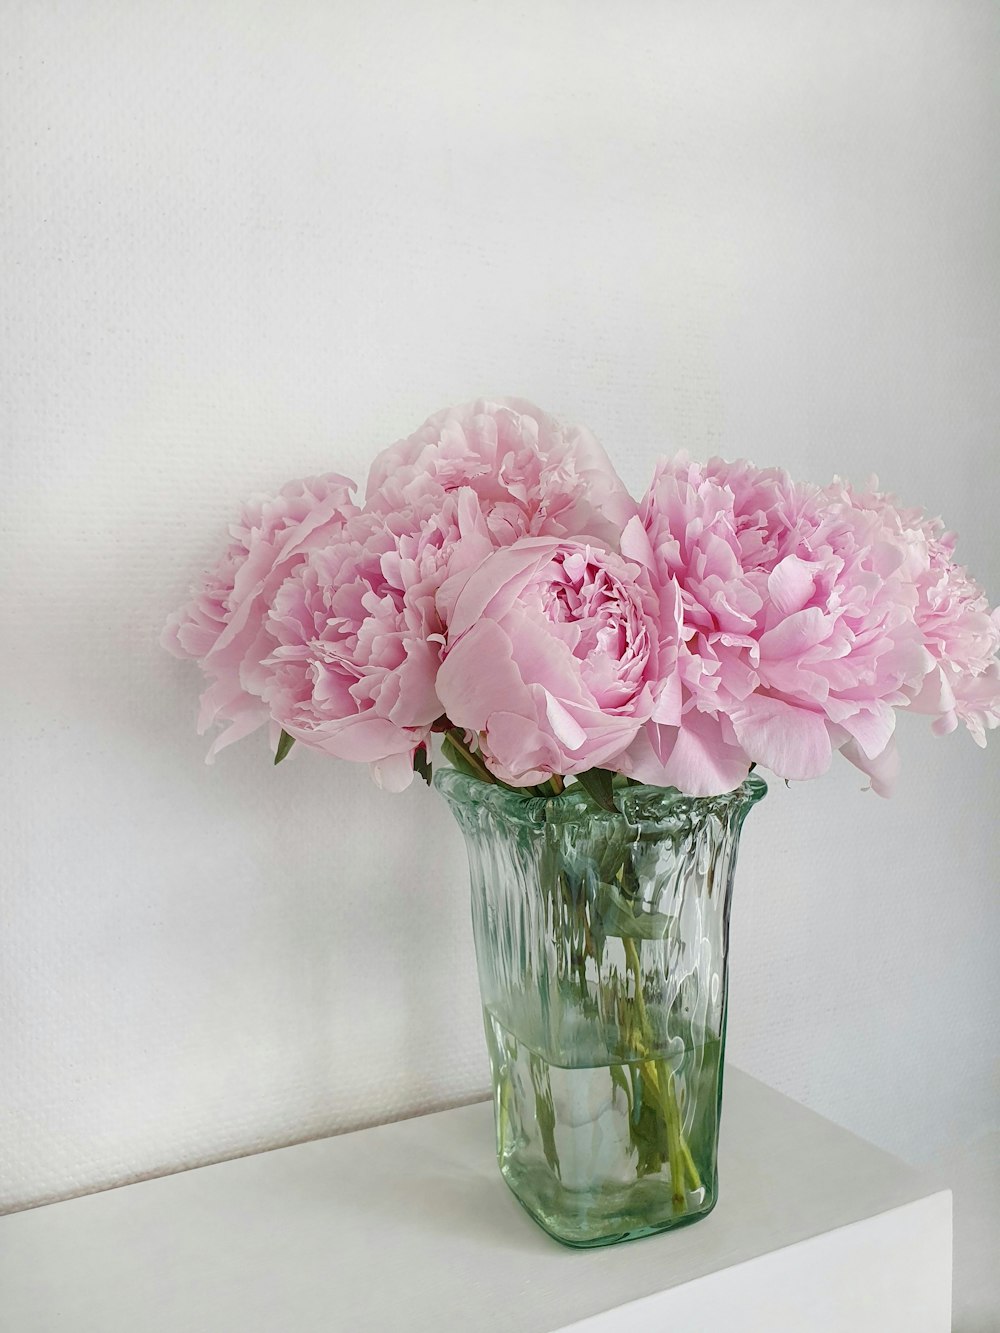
[(598, 784), (285, 743), (422, 763)]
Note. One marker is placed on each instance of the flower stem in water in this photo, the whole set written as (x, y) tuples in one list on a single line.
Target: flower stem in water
[(661, 1082)]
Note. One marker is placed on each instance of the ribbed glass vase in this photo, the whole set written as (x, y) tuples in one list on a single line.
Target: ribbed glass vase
[(602, 943)]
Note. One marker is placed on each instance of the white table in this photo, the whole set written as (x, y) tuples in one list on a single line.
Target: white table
[(409, 1226)]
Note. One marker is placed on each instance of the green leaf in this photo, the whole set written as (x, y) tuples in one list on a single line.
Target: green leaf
[(598, 784), (285, 743), (422, 763), (545, 1113), (620, 1080), (457, 759), (611, 855), (626, 920)]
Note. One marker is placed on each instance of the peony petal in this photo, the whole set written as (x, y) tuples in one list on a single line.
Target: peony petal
[(242, 723), (871, 727), (363, 739), (795, 635), (635, 544), (565, 729), (394, 773), (518, 751), (498, 582), (944, 726), (790, 584), (478, 677), (668, 706), (792, 742), (695, 757), (935, 695), (417, 704), (883, 769)]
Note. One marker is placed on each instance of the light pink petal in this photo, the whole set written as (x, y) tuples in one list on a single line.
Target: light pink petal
[(944, 726), (791, 742), (497, 583), (364, 738), (243, 723), (478, 677), (394, 773), (544, 658), (565, 728), (790, 584), (635, 544), (667, 710), (795, 635), (417, 704), (872, 727), (695, 757), (518, 751), (883, 769), (935, 695)]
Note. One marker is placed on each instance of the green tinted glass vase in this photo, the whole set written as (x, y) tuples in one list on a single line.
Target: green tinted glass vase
[(602, 943)]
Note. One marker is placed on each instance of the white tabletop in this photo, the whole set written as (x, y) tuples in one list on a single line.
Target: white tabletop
[(410, 1226)]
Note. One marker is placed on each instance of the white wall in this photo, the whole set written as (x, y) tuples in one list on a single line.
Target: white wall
[(246, 241)]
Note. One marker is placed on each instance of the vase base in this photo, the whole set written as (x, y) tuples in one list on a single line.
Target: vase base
[(589, 1219)]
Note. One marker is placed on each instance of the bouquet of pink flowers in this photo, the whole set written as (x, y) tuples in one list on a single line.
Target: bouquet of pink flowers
[(500, 587)]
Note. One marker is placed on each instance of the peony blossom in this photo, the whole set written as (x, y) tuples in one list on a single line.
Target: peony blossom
[(558, 652), (951, 612), (356, 637), (799, 634), (500, 579), (533, 477), (222, 626)]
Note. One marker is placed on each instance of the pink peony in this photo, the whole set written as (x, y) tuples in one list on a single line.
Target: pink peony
[(747, 619), (558, 653), (952, 614), (222, 627), (357, 637), (798, 622), (533, 476)]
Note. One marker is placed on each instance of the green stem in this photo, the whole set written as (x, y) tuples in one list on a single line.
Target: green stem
[(474, 760), (674, 1138), (661, 1080), (673, 1101), (470, 756), (503, 1112), (545, 1114), (689, 1166)]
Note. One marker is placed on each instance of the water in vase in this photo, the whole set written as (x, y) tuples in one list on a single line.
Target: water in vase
[(597, 1151)]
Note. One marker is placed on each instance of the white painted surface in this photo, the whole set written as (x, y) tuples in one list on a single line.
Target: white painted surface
[(409, 1225), (887, 1274), (246, 241), (972, 1174)]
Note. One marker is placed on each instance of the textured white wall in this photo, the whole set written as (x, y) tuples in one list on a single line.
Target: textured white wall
[(246, 241)]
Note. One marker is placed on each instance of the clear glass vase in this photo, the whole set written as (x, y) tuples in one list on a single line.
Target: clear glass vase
[(602, 943)]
